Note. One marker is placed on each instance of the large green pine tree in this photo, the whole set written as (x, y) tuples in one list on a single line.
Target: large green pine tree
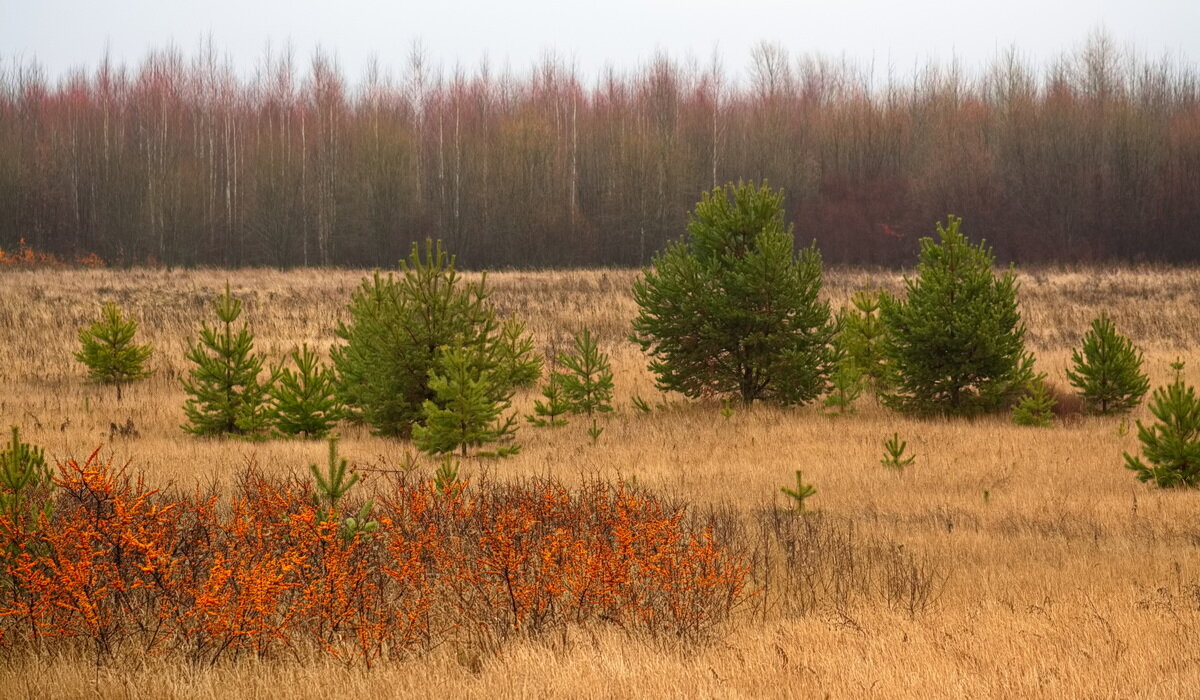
[(1108, 373), (226, 397), (955, 345), (108, 350), (732, 309)]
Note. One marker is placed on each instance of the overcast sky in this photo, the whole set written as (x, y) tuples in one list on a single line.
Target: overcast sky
[(61, 34)]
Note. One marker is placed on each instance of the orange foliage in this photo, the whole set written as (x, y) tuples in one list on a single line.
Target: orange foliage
[(24, 256), (124, 567)]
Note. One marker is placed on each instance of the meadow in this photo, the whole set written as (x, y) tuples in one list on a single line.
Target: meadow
[(1032, 562)]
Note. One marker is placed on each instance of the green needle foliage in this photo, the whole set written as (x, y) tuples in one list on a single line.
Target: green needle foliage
[(304, 401), (549, 413), (465, 410), (1171, 446), (894, 457), (860, 336), (226, 396), (398, 324), (587, 382), (955, 345), (108, 350), (1108, 373), (331, 486), (801, 493), (1036, 407), (445, 479), (848, 379), (583, 385), (24, 477), (731, 309)]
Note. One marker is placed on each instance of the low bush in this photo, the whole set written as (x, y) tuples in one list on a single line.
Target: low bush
[(121, 567)]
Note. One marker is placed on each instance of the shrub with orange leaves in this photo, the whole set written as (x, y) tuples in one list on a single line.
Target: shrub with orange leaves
[(122, 567), (25, 256)]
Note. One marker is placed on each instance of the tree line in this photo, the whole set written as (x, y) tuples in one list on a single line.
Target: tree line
[(180, 161)]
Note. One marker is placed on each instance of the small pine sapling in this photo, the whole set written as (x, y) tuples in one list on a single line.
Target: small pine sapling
[(800, 494), (515, 362), (445, 479), (304, 401), (1108, 373), (1171, 446), (895, 458), (1036, 407), (108, 350), (587, 381), (331, 486), (595, 431), (226, 396), (726, 408), (467, 412), (549, 414), (860, 334), (640, 404), (24, 476), (847, 379)]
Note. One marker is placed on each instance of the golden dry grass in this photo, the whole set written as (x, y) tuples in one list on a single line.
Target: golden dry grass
[(1070, 579)]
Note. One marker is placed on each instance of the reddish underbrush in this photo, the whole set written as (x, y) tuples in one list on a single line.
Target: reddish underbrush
[(121, 567), (26, 257)]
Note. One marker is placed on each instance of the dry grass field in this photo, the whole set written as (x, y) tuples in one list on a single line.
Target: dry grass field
[(1045, 569)]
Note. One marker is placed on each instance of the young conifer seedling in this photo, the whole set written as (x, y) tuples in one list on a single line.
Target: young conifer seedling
[(1108, 373), (108, 350), (587, 381), (304, 401), (331, 486), (801, 493), (23, 472), (445, 479), (860, 335), (894, 457), (1036, 407), (1171, 446), (226, 396), (466, 411), (847, 379), (550, 413)]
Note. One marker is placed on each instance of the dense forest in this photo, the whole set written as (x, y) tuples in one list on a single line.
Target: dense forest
[(181, 160)]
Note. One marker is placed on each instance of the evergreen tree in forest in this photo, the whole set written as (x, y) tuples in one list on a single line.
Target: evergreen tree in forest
[(955, 345), (732, 309), (226, 397), (1108, 373), (397, 328), (108, 350), (304, 401)]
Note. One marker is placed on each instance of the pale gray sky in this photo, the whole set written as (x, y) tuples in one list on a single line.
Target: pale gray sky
[(62, 34)]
